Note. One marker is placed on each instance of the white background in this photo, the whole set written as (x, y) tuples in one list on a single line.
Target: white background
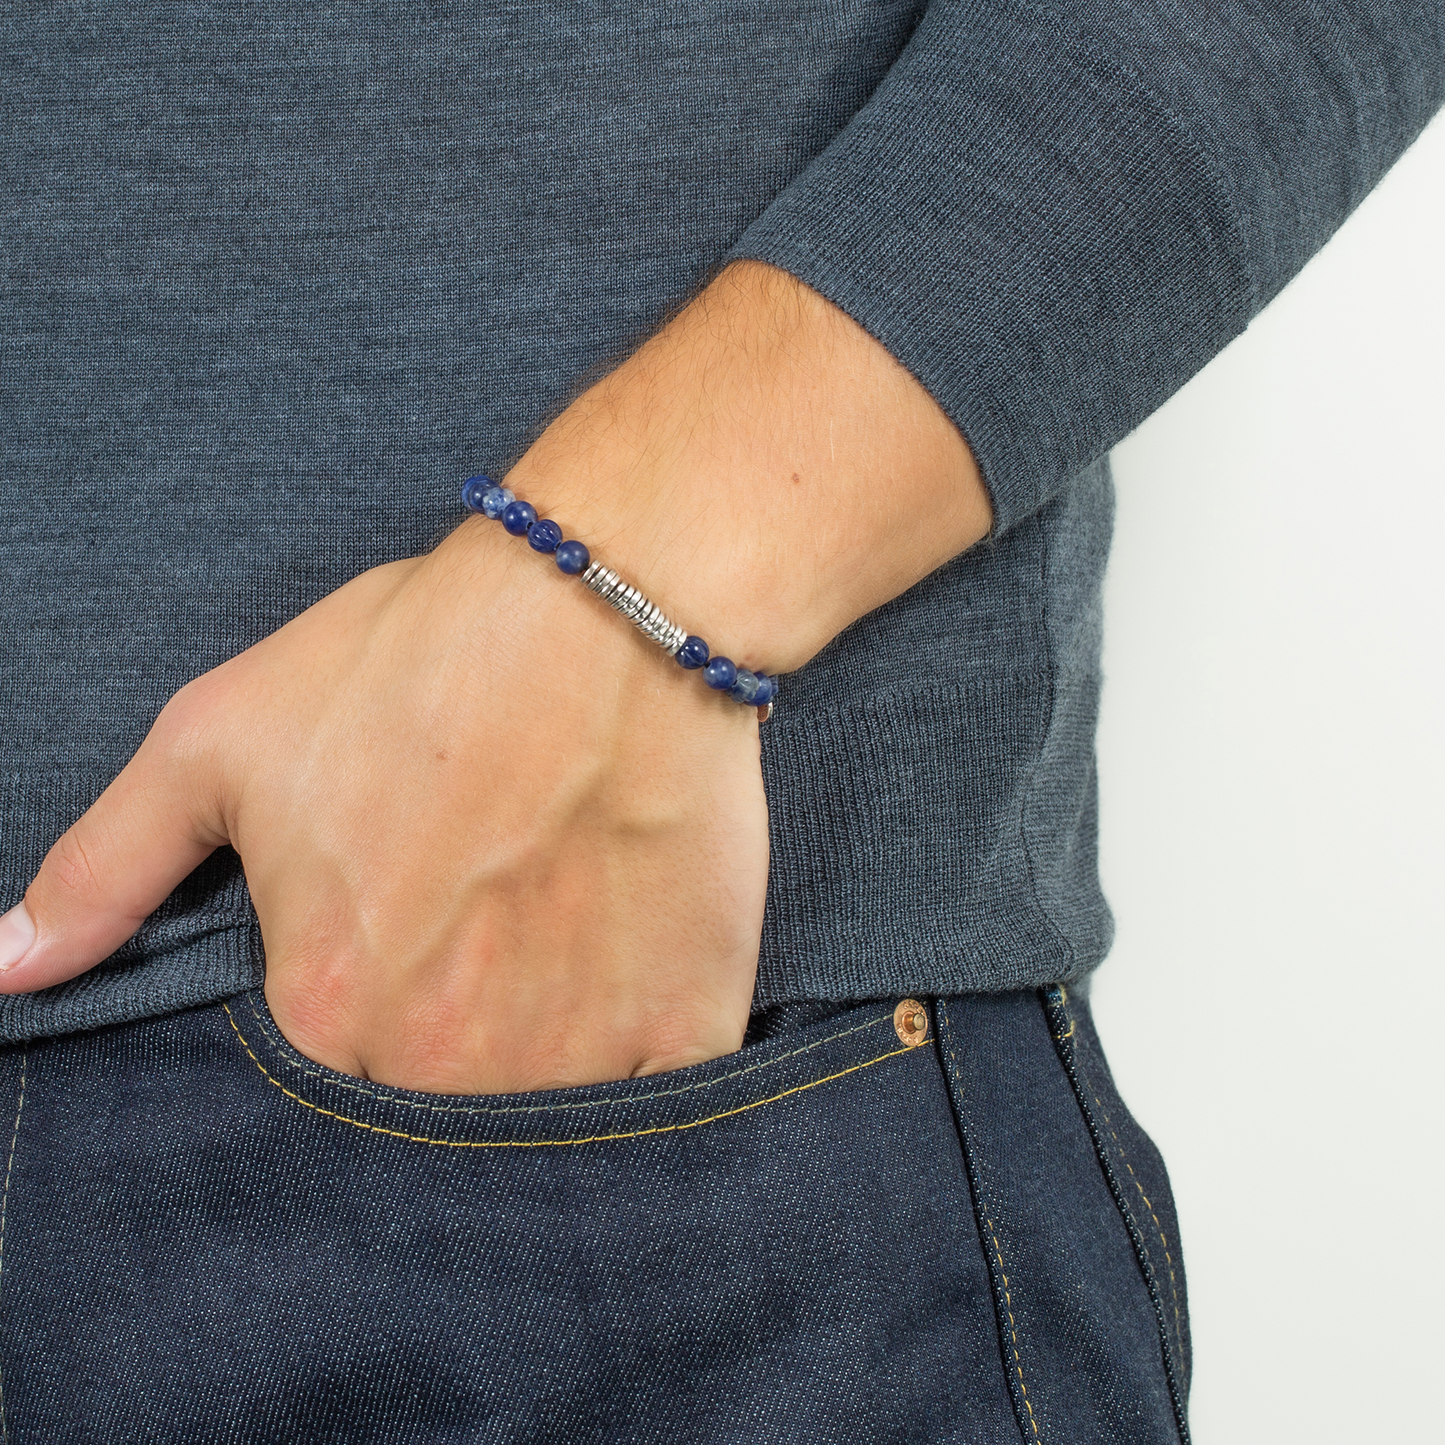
[(1273, 797)]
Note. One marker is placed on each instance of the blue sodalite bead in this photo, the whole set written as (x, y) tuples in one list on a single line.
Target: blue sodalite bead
[(767, 690), (496, 501), (572, 557), (473, 490), (720, 673), (518, 516), (544, 536), (692, 653), (745, 688)]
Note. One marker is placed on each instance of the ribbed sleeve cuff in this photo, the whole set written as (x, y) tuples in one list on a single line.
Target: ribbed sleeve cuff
[(1020, 221)]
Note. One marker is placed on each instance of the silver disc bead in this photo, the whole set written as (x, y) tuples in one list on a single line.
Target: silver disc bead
[(646, 616)]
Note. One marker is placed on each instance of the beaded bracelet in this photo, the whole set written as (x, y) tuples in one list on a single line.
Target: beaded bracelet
[(753, 689)]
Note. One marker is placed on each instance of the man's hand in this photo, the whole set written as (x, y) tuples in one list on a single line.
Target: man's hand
[(490, 843), (495, 839)]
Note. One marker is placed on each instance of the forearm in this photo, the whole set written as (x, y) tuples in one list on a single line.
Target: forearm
[(761, 468), (768, 474)]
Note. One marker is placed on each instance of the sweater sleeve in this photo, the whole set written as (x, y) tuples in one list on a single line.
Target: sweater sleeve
[(1054, 216)]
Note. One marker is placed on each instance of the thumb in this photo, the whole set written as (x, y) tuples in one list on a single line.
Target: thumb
[(151, 827)]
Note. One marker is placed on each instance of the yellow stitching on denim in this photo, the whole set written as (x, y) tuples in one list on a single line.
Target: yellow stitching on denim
[(1163, 1238), (998, 1255), (1013, 1328), (4, 1206), (551, 1143), (283, 1048)]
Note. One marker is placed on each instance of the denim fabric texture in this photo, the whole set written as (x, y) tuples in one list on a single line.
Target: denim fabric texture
[(278, 276), (829, 1236)]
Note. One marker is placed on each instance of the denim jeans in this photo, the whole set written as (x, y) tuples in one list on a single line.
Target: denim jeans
[(844, 1232)]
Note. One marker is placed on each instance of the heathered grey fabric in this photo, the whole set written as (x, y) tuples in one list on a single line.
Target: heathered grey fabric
[(277, 277)]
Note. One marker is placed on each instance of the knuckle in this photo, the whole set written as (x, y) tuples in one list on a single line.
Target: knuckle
[(313, 992), (427, 1065), (430, 1045), (189, 742), (69, 869), (676, 1040), (187, 718), (312, 1015)]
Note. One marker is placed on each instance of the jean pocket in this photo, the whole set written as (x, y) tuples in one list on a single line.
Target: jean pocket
[(1090, 1308), (658, 1105), (211, 1237)]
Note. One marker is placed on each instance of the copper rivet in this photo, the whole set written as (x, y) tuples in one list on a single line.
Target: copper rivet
[(910, 1022)]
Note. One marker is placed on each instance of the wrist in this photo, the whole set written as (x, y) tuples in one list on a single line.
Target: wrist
[(762, 469), (705, 568), (529, 606)]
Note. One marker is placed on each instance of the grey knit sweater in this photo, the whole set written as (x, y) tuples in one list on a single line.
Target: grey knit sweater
[(277, 276)]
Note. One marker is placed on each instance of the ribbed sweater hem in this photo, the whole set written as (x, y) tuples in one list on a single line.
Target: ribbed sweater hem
[(899, 866)]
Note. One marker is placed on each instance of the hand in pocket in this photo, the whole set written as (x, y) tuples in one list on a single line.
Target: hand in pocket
[(496, 840)]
